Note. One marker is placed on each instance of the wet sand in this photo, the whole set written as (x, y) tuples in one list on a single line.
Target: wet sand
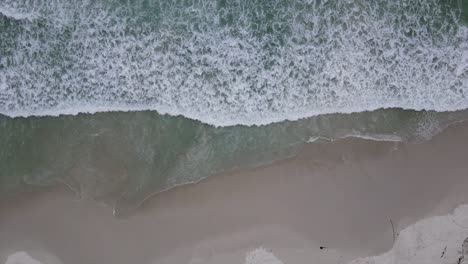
[(340, 195)]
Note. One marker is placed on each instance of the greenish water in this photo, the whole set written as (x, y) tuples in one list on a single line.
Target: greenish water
[(122, 157)]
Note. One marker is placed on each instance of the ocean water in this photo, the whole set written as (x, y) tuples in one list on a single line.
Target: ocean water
[(120, 99)]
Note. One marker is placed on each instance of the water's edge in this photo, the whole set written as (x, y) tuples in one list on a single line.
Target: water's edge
[(124, 157)]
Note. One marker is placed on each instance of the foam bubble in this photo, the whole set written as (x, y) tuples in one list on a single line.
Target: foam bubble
[(261, 256), (235, 62)]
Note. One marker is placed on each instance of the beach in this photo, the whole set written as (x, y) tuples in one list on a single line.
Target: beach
[(332, 203), (226, 132)]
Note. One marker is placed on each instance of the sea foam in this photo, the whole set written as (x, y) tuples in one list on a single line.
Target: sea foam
[(440, 239), (261, 256), (21, 257), (229, 63)]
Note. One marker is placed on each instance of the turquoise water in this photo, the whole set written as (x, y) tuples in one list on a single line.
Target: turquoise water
[(122, 99)]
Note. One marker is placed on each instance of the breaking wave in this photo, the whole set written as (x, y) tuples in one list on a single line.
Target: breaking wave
[(231, 62)]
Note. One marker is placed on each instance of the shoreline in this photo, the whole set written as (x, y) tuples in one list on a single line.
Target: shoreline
[(340, 195)]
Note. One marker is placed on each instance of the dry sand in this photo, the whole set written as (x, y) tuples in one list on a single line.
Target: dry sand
[(338, 195)]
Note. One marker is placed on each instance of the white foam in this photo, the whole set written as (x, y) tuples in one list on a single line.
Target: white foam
[(21, 257), (436, 240), (350, 57), (388, 138), (261, 256), (16, 14), (375, 137)]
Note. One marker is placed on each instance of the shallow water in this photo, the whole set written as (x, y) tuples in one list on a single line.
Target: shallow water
[(122, 157)]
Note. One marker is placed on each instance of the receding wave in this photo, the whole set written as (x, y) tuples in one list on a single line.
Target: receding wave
[(123, 158), (232, 62)]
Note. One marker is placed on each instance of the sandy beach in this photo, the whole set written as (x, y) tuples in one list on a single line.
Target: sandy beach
[(233, 132), (332, 203)]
